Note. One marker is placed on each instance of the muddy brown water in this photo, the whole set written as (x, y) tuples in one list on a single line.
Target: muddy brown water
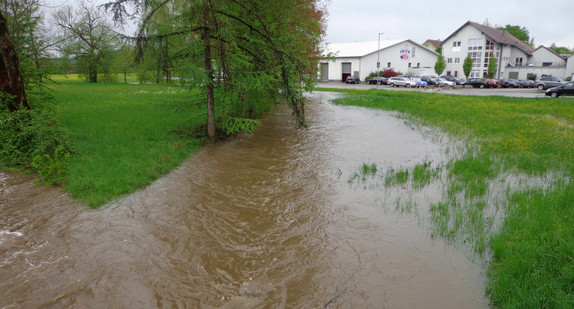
[(263, 221)]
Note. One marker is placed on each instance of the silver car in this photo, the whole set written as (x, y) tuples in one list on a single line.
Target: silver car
[(546, 82), (401, 81)]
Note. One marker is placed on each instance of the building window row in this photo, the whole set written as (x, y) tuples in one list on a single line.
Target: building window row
[(475, 44), (456, 44)]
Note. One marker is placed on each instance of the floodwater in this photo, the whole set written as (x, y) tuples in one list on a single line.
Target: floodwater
[(263, 221)]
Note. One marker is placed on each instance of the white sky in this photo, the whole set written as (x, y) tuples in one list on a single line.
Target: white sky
[(548, 21)]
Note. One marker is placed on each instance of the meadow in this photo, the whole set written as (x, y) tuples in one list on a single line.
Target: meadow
[(124, 135), (509, 197)]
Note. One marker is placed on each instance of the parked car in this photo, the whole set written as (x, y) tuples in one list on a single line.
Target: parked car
[(494, 83), (352, 80), (478, 82), (566, 89), (377, 80), (429, 80), (509, 83), (456, 80), (546, 82), (522, 83), (401, 81), (444, 82), (421, 83)]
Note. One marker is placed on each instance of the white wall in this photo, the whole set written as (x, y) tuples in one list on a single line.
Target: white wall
[(368, 63), (570, 66), (336, 67), (542, 55), (400, 56), (449, 51)]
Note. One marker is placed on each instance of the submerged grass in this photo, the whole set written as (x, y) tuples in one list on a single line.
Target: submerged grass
[(531, 249), (124, 136)]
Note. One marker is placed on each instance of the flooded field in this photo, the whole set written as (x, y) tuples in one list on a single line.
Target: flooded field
[(272, 220)]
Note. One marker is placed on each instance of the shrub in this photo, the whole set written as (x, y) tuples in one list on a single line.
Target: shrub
[(32, 140)]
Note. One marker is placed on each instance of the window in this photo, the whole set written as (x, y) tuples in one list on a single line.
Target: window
[(476, 58), (449, 60), (455, 73), (489, 45), (388, 64), (456, 46), (409, 64), (518, 62), (418, 64), (456, 60), (475, 44), (448, 73), (546, 64)]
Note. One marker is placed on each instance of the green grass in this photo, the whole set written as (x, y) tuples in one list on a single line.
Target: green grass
[(124, 136), (530, 251)]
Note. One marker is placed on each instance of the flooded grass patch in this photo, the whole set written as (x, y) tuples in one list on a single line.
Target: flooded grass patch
[(509, 197)]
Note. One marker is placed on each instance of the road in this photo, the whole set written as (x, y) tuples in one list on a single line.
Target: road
[(458, 90)]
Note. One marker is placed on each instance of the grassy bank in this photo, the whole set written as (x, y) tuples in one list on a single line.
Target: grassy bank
[(510, 140), (124, 136)]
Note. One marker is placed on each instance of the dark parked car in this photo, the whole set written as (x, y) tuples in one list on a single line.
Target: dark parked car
[(526, 83), (509, 83), (429, 80), (566, 89), (453, 79), (352, 80), (377, 80), (479, 82)]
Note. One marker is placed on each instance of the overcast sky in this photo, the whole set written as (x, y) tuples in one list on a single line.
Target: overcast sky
[(548, 21)]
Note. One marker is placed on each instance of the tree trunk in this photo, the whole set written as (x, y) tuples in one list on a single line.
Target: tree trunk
[(209, 82), (10, 75), (92, 73)]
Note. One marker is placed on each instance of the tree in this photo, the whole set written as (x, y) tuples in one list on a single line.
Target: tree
[(87, 36), (492, 68), (560, 50), (467, 66), (260, 51), (11, 82), (440, 65), (518, 32)]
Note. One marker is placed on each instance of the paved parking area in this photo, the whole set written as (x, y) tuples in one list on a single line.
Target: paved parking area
[(458, 90)]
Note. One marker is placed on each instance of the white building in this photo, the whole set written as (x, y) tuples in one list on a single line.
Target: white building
[(360, 59), (515, 59)]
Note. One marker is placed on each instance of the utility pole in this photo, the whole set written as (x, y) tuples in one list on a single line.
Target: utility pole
[(378, 58)]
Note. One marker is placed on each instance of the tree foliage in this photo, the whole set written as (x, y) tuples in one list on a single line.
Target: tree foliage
[(245, 54), (492, 68), (561, 50), (518, 32), (88, 37), (440, 65), (467, 65), (29, 138)]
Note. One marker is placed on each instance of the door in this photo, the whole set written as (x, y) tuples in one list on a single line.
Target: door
[(324, 72), (346, 69)]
